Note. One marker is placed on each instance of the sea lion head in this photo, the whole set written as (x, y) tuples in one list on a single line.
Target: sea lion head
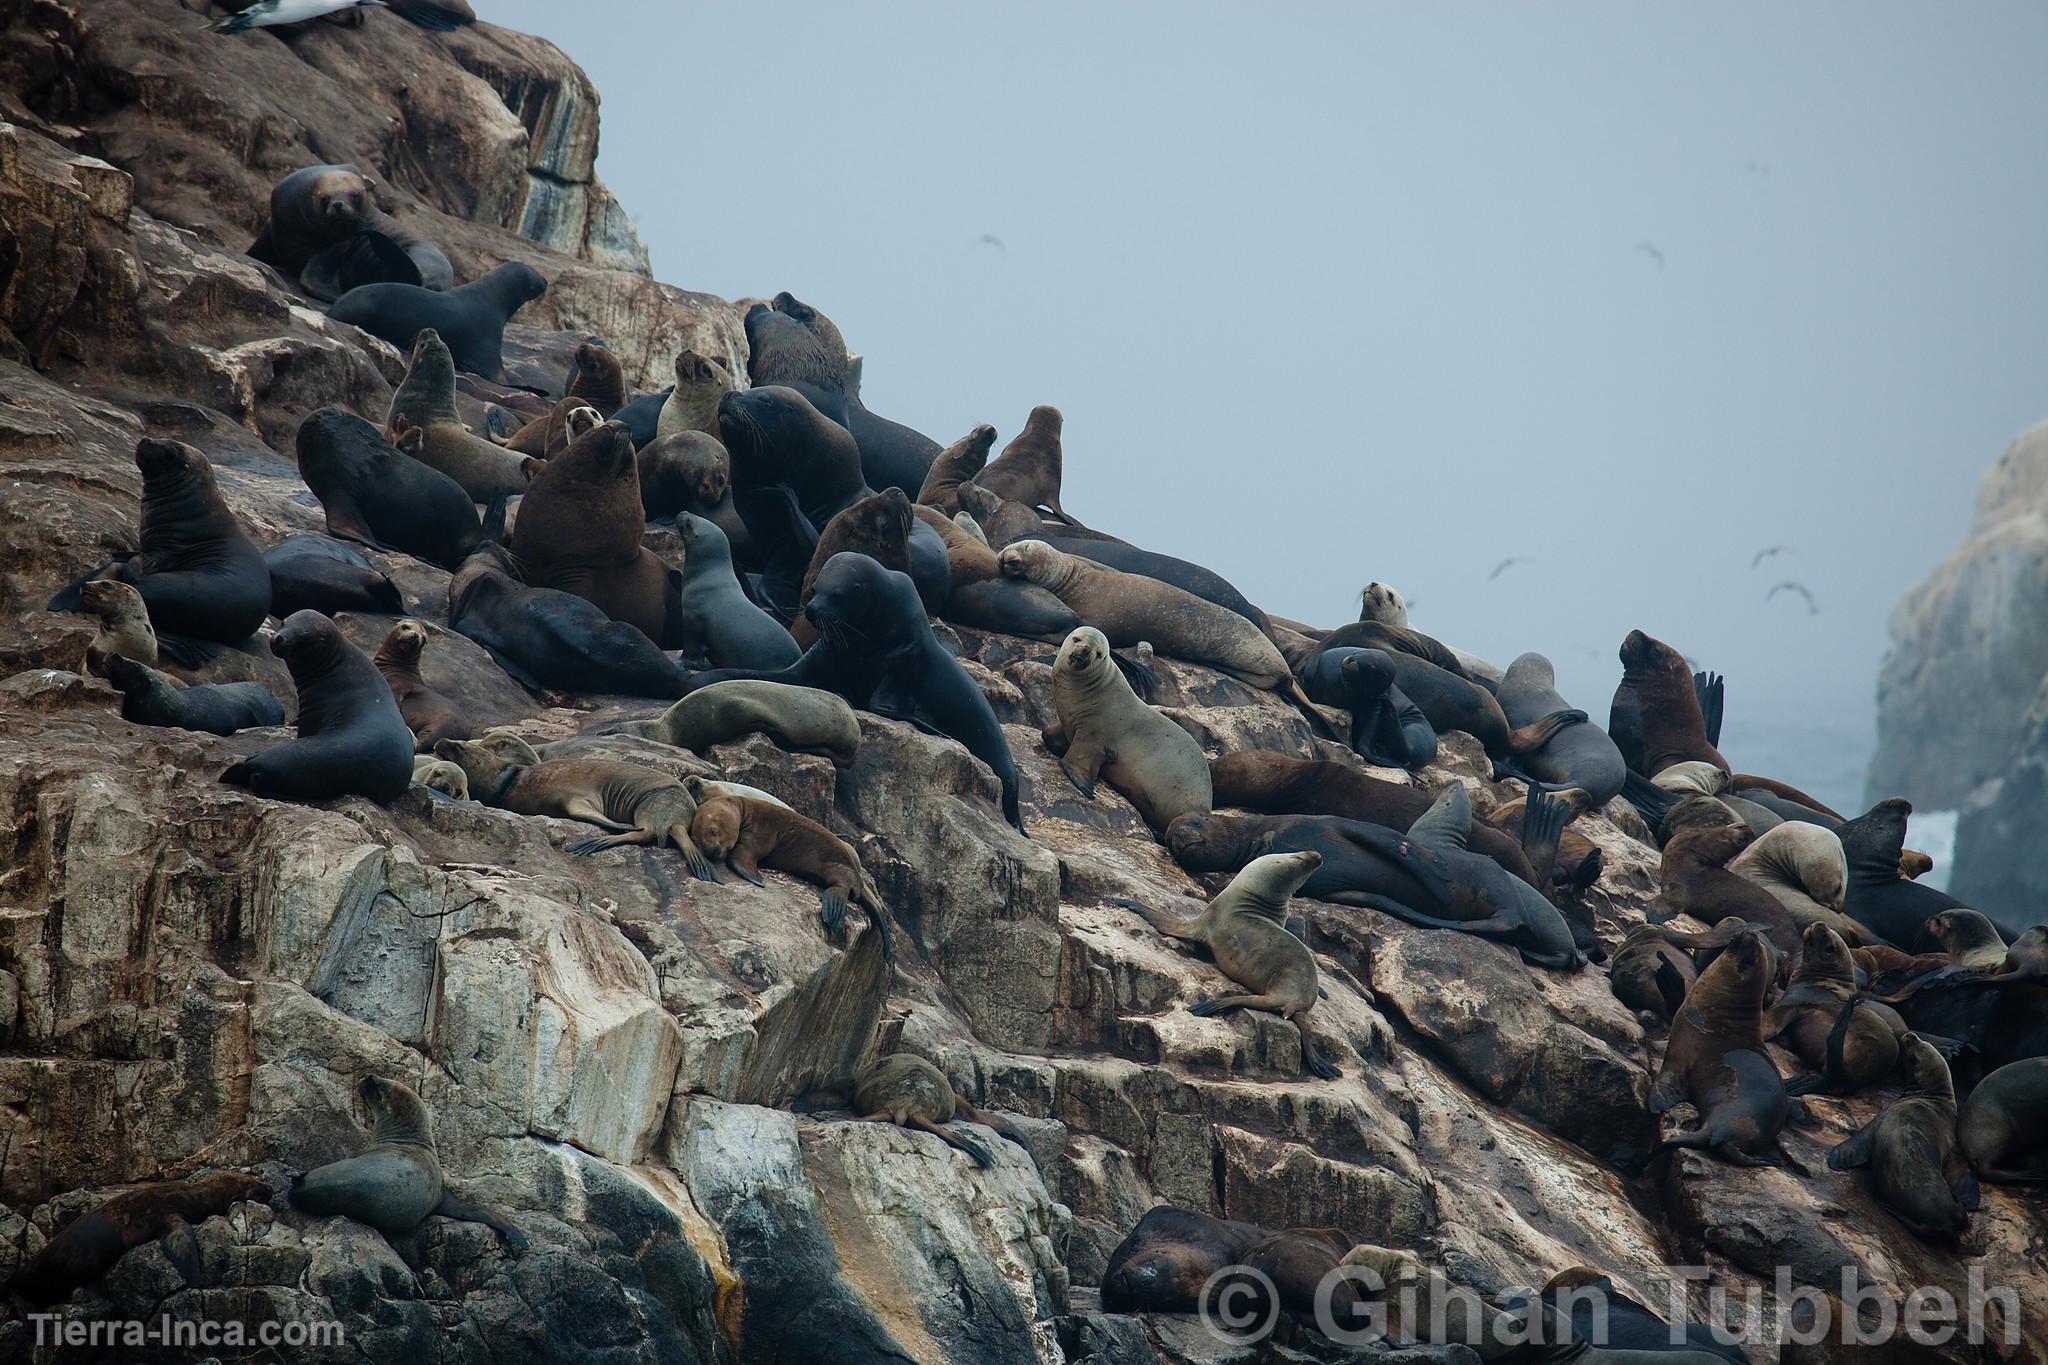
[(1210, 843), (341, 200), (1913, 864), (166, 463), (1044, 422), (394, 1111), (783, 350), (439, 775), (1694, 776), (696, 373), (1696, 812), (1959, 931), (602, 455), (823, 328), (1031, 560), (517, 282), (1925, 1070), (2028, 955), (1747, 963), (428, 349), (1084, 654), (1824, 956), (594, 362), (1388, 1266), (581, 421), (716, 827), (306, 642), (484, 760), (127, 675), (1367, 672), (882, 521), (853, 592), (111, 600), (1280, 875), (404, 642), (967, 456), (1379, 602), (407, 438), (1163, 1276), (1875, 840), (1644, 655), (754, 423), (1710, 847)]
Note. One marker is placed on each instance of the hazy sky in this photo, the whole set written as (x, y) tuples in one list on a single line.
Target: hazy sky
[(1332, 293)]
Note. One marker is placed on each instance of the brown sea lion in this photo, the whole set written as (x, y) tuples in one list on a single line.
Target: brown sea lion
[(1969, 938), (351, 738), (1578, 862), (877, 526), (124, 625), (2003, 1129), (597, 381), (428, 714), (439, 775), (957, 464), (1802, 866), (1650, 974), (803, 720), (483, 471), (1716, 1059), (693, 403), (910, 1092), (579, 532), (1918, 1170), (1164, 1262), (1847, 1043), (749, 835), (1103, 730), (1693, 879), (1656, 719), (1245, 929), (553, 430), (1028, 470), (326, 234), (88, 1246), (686, 471), (1293, 1266), (979, 595)]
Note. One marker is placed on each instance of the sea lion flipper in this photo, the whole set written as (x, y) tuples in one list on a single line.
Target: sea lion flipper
[(185, 650), (1141, 676), (741, 861), (451, 1207), (1711, 691), (951, 1138), (1538, 733), (1855, 1151), (1543, 820)]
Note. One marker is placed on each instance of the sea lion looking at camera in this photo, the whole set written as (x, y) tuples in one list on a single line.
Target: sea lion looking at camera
[(428, 714), (1102, 729), (90, 1244), (351, 738), (597, 381), (749, 835), (692, 405), (910, 1092), (327, 235), (1920, 1174), (470, 317), (686, 471), (1716, 1059)]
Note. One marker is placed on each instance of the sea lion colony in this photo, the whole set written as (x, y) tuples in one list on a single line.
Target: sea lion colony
[(832, 541)]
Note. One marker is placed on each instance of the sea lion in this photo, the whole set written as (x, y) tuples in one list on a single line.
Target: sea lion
[(327, 234), (1890, 906), (793, 469), (1597, 1313), (1188, 577), (439, 775), (1693, 879), (422, 422), (1803, 867), (2003, 1130), (910, 1092), (1104, 730), (152, 698), (549, 639), (327, 576), (803, 720), (749, 835), (1421, 1305), (471, 317), (878, 652), (1245, 930), (979, 595), (596, 380), (879, 527), (971, 527), (1576, 864), (892, 455), (1581, 756), (579, 532), (374, 495), (90, 1244), (692, 405), (1263, 781), (641, 415), (351, 738), (684, 472), (1699, 778), (428, 714), (1028, 470), (702, 789), (395, 1183), (2027, 958), (1386, 727), (1786, 802), (1716, 1058), (1378, 602), (718, 621), (202, 580), (1452, 702), (560, 425), (124, 630), (1397, 640), (1163, 1263), (783, 352), (1650, 974), (1847, 1043), (1656, 719), (638, 805), (1967, 937), (957, 464), (1919, 1172)]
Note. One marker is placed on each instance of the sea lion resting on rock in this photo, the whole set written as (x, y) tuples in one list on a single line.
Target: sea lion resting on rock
[(2004, 1125), (471, 318), (1699, 778), (1102, 729), (749, 835), (327, 234), (1163, 1263), (329, 577), (549, 639), (1969, 938), (1581, 756), (1716, 1059), (90, 1244), (1386, 727), (376, 496), (152, 698), (428, 714), (351, 738), (1245, 930), (804, 720), (1693, 879), (692, 405), (1452, 702), (1803, 867), (717, 620), (1650, 974), (422, 422), (910, 1092), (396, 1182), (124, 630), (979, 595), (1915, 1164), (439, 775)]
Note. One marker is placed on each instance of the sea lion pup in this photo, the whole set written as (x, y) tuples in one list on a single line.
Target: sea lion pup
[(123, 632), (1256, 779), (201, 580), (351, 738), (877, 526), (1655, 719), (429, 715), (328, 577), (1803, 867), (1128, 608), (749, 835), (1969, 938), (422, 423), (439, 775), (1650, 974), (1163, 1263), (692, 405), (703, 789), (686, 471), (152, 698), (597, 380), (374, 495), (1028, 470), (89, 1245), (717, 620), (1386, 728), (1104, 730), (877, 651), (957, 464), (471, 317), (2003, 1130), (1716, 1059), (1245, 930), (396, 1182), (979, 595), (579, 532), (1846, 1042), (327, 234), (1581, 756), (1916, 1167), (548, 639), (803, 720), (910, 1092), (1890, 906)]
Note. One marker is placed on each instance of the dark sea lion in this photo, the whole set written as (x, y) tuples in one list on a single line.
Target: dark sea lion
[(642, 415), (910, 1092), (877, 651), (1656, 720), (782, 352), (1274, 783), (1395, 640), (1288, 1272), (1599, 1313), (428, 714), (1163, 1263), (124, 630), (1811, 809), (718, 621), (549, 639), (1969, 938), (1102, 729), (1693, 879), (2027, 957), (327, 234), (1650, 974), (878, 526), (1918, 1170), (1452, 702), (1002, 521), (90, 1244), (891, 455), (1245, 930), (749, 835), (1579, 756), (1716, 1059), (692, 405), (579, 532), (2003, 1130), (638, 805), (1878, 898), (793, 469), (1386, 727), (324, 575), (685, 472), (978, 594), (396, 1183), (351, 738), (374, 495), (152, 698), (202, 579), (1028, 470), (804, 720), (1846, 1042), (1419, 1304), (1575, 861), (954, 466), (471, 317), (422, 422)]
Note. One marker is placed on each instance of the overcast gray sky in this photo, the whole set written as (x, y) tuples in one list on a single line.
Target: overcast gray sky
[(1332, 293)]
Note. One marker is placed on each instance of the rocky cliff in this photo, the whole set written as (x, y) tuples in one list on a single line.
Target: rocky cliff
[(192, 978)]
